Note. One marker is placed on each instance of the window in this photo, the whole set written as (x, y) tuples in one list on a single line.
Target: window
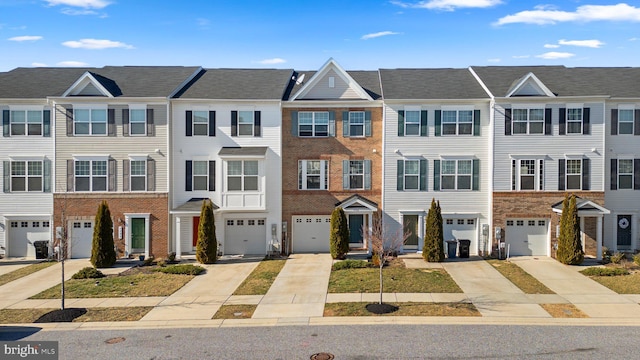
[(26, 122), (24, 224), (138, 175), (471, 221), (528, 121), (460, 221), (240, 222), (26, 176), (519, 222), (90, 175), (138, 122), (356, 174), (245, 123), (574, 174), (90, 121), (625, 121), (45, 224), (527, 174), (574, 121), (509, 222), (456, 174), (35, 224), (313, 174), (261, 222), (14, 224), (77, 225), (201, 123), (251, 222), (356, 123), (200, 175), (412, 123), (625, 174), (449, 221), (457, 122), (313, 124), (542, 223), (242, 175), (412, 174), (230, 222)]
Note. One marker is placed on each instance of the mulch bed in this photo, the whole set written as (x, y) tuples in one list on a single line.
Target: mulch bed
[(66, 315), (381, 308)]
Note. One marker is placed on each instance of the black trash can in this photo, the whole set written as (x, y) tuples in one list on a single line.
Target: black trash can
[(464, 247), (452, 247), (42, 249)]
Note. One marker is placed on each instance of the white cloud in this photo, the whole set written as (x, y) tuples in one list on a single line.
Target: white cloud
[(86, 4), (96, 44), (378, 34), (547, 15), (203, 23), (555, 55), (272, 61), (521, 56), (37, 64), (582, 43), (551, 46), (25, 38), (633, 39), (72, 63), (75, 12), (496, 60), (448, 5)]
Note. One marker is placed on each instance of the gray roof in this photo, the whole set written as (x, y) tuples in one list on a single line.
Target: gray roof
[(128, 81), (242, 84), (404, 84), (193, 205), (243, 151), (367, 79)]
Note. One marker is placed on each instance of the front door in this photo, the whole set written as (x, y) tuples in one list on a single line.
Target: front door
[(355, 229), (624, 230), (410, 223), (196, 225), (137, 234)]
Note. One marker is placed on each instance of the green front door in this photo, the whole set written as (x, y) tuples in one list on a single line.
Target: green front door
[(355, 229), (137, 234)]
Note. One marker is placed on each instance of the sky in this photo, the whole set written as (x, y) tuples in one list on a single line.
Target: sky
[(303, 35)]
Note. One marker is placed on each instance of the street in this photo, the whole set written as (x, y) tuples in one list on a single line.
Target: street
[(345, 342)]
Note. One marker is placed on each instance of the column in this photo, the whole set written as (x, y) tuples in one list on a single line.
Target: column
[(582, 234), (599, 238), (177, 238)]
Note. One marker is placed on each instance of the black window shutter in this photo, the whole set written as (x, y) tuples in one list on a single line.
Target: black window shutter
[(234, 123), (6, 123), (476, 175), (367, 123), (212, 175), (547, 122), (436, 175), (423, 123), (112, 175), (151, 123), (400, 122), (562, 120), (561, 172), (400, 175), (423, 175), (586, 174), (125, 122), (345, 123), (70, 175), (438, 121), (188, 116), (126, 164), (188, 178), (476, 122), (151, 175), (614, 121), (636, 174), (212, 123), (111, 122), (46, 123), (256, 123), (507, 121), (70, 122), (586, 121), (614, 174), (294, 123), (636, 122)]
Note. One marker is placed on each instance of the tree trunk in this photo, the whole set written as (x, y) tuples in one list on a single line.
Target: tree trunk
[(381, 264)]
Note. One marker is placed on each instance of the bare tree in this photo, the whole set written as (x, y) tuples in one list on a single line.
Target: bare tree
[(61, 242), (384, 242)]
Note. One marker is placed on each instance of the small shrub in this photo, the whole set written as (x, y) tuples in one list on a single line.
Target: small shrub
[(88, 273), (636, 259), (161, 262), (350, 264), (604, 271), (182, 269), (618, 257), (171, 257), (148, 261)]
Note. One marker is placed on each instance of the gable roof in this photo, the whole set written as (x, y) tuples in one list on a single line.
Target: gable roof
[(241, 84), (529, 85), (405, 84)]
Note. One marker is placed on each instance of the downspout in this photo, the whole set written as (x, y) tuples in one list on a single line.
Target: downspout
[(169, 183)]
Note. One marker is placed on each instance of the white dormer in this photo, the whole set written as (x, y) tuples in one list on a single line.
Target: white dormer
[(331, 82), (529, 85), (87, 85)]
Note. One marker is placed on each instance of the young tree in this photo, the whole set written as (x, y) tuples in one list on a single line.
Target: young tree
[(433, 249), (569, 242), (339, 236), (103, 253), (207, 246)]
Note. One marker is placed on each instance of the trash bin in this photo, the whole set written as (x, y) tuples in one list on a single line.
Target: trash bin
[(42, 249), (452, 247), (464, 247)]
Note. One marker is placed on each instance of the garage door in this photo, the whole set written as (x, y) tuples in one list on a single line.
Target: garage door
[(311, 233), (527, 237), (245, 236), (461, 229), (81, 239), (22, 234)]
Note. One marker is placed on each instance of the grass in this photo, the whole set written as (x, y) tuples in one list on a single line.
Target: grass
[(395, 279), (235, 312), (22, 316), (155, 284), (261, 278), (605, 271), (563, 311), (24, 271), (520, 278), (405, 309), (627, 284)]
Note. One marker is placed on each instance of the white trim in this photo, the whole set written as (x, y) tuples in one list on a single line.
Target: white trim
[(88, 78), (27, 107), (127, 231), (527, 157), (457, 107), (530, 77), (324, 69)]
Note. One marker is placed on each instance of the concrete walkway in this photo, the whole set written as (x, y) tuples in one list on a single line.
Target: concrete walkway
[(299, 291)]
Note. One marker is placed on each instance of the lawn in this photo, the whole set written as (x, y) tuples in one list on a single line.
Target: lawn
[(623, 284), (563, 311), (405, 309), (395, 279), (520, 278), (24, 271), (261, 278), (235, 312), (21, 316), (140, 284)]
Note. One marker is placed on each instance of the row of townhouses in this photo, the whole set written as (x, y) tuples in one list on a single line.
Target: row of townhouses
[(278, 150)]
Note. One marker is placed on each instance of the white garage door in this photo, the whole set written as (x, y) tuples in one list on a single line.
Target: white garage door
[(461, 229), (22, 234), (81, 239), (311, 233), (245, 236), (527, 237)]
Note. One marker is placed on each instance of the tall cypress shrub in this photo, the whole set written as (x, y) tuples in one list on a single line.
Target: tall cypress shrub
[(569, 242), (339, 236), (207, 245), (103, 253), (433, 249)]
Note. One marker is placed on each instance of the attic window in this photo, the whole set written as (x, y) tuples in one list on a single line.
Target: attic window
[(332, 82)]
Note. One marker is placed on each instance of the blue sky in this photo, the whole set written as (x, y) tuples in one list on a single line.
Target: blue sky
[(362, 34)]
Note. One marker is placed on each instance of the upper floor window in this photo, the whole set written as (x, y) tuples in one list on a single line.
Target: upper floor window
[(313, 174), (457, 122), (356, 123), (199, 175), (527, 174), (625, 174), (242, 175), (528, 121), (91, 175), (200, 123), (625, 121), (411, 123), (27, 176), (90, 121), (356, 174), (412, 174), (245, 123), (574, 121), (574, 174), (313, 124), (456, 174), (138, 122), (138, 175), (26, 122)]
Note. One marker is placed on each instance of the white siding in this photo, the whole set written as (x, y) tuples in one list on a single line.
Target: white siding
[(321, 89)]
